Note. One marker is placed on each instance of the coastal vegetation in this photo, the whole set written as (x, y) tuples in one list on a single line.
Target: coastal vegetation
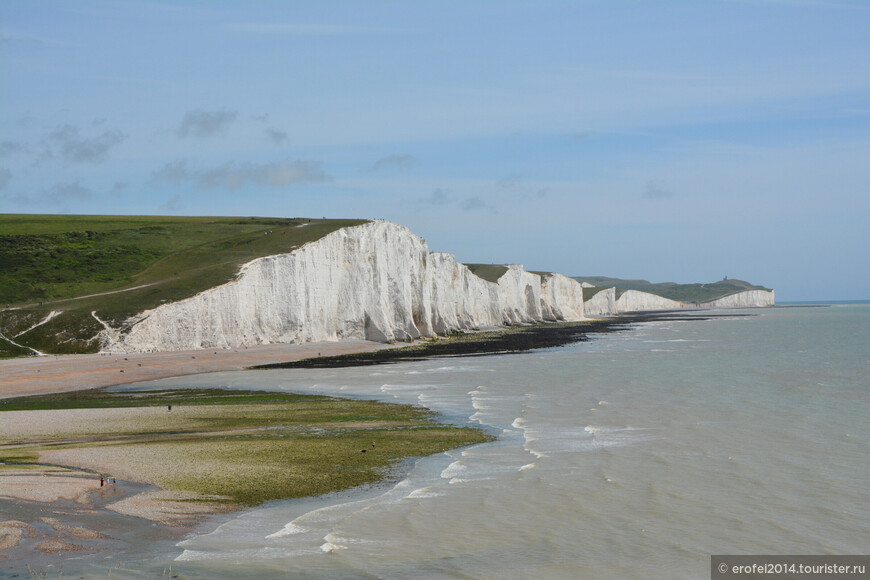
[(118, 266), (245, 447), (489, 272)]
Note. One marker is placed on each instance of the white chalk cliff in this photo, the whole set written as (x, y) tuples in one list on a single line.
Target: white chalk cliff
[(746, 299), (637, 301), (376, 281), (605, 302)]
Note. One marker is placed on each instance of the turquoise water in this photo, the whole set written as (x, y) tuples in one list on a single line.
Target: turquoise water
[(633, 456)]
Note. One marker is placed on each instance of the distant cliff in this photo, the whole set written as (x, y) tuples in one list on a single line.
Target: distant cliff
[(747, 299), (376, 281), (607, 301)]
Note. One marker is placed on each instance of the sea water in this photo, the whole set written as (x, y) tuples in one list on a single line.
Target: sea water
[(635, 455)]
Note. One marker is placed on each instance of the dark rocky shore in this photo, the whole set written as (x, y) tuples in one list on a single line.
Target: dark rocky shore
[(512, 339)]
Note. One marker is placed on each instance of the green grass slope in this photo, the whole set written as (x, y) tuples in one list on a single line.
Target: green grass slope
[(132, 263), (489, 272), (681, 292)]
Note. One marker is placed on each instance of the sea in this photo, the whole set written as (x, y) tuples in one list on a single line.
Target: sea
[(637, 454)]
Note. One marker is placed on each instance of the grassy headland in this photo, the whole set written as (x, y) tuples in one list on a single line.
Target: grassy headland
[(132, 263), (244, 446)]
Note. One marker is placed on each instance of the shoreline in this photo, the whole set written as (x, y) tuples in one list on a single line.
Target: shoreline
[(507, 340), (64, 373)]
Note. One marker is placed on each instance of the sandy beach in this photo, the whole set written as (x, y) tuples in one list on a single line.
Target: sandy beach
[(57, 374)]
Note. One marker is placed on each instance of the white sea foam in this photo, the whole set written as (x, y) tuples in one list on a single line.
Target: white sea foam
[(242, 555), (454, 469), (424, 493), (528, 436), (331, 543), (289, 530)]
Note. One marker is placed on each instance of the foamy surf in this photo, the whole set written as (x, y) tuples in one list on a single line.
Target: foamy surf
[(423, 493), (331, 543), (251, 555), (528, 438), (453, 470), (289, 530)]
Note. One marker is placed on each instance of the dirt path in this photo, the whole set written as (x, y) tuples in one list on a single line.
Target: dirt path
[(52, 374), (86, 296)]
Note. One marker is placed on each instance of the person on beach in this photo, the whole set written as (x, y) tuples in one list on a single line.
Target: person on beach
[(102, 481)]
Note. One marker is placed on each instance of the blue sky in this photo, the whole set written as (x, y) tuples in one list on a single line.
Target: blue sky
[(672, 141)]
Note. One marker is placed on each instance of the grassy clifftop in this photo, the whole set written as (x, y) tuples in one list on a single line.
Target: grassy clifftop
[(132, 263), (489, 272), (680, 292)]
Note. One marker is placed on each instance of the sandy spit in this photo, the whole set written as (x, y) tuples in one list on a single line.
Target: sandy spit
[(56, 374), (48, 487)]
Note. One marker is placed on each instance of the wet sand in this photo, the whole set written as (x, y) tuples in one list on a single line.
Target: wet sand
[(58, 374), (52, 517)]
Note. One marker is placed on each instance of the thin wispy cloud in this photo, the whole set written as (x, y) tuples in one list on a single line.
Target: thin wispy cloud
[(438, 197), (276, 136), (398, 162), (67, 192), (118, 188), (201, 123), (11, 38), (57, 194), (234, 175), (172, 204), (173, 172), (656, 191), (10, 147), (473, 203), (77, 148), (509, 181), (290, 29)]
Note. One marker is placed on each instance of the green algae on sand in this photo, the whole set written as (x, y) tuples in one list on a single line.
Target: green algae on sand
[(247, 447)]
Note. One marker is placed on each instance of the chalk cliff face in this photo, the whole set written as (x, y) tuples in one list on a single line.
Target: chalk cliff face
[(561, 298), (747, 299), (602, 304), (605, 303), (636, 301), (376, 281)]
